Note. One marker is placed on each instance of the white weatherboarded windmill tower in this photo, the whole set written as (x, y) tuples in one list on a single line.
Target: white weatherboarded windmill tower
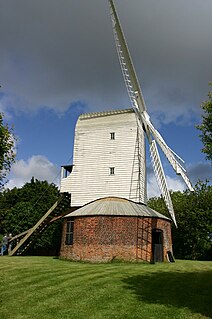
[(109, 158), (109, 150)]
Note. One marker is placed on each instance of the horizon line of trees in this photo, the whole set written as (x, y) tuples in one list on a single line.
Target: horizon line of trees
[(21, 208)]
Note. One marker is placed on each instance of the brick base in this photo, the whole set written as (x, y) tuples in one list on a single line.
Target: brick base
[(104, 238)]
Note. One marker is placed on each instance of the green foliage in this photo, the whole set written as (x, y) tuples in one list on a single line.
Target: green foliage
[(20, 209), (7, 152), (47, 288), (206, 126), (193, 210)]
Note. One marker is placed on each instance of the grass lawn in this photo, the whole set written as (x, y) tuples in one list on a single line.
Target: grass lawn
[(45, 287)]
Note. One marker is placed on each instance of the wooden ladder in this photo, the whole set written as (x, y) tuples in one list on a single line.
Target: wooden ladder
[(28, 237)]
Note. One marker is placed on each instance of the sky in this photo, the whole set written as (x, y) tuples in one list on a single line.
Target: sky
[(58, 60)]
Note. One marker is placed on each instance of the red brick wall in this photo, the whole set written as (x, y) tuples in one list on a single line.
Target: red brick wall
[(145, 227), (103, 238)]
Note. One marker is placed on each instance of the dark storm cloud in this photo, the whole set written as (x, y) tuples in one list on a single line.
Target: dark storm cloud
[(200, 171), (56, 52)]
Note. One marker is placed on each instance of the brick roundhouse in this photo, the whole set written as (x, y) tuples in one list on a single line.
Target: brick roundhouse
[(116, 228)]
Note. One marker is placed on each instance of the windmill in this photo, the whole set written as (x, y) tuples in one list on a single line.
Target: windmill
[(143, 119)]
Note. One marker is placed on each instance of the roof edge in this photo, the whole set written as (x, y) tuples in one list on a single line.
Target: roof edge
[(86, 116), (155, 214)]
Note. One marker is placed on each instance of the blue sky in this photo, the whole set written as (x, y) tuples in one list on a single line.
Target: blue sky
[(58, 61)]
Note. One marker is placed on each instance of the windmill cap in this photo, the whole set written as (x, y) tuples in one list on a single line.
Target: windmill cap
[(116, 206)]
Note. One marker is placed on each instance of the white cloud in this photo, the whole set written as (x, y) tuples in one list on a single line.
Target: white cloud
[(37, 166), (175, 184), (152, 187), (153, 190)]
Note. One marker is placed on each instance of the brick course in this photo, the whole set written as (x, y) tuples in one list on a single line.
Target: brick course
[(104, 238)]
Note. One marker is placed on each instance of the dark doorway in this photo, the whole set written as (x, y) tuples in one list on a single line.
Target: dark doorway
[(157, 245)]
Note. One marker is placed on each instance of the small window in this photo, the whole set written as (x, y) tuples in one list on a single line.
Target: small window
[(69, 232), (112, 170), (112, 136), (66, 170)]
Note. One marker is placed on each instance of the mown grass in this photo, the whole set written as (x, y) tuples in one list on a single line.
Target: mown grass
[(44, 288)]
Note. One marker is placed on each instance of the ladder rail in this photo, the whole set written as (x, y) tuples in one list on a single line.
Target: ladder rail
[(27, 234)]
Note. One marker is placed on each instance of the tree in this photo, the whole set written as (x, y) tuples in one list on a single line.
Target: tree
[(21, 208), (206, 126), (193, 210), (7, 150), (194, 215)]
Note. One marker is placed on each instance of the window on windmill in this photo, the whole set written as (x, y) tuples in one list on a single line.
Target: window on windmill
[(69, 232), (112, 136), (112, 170), (66, 170)]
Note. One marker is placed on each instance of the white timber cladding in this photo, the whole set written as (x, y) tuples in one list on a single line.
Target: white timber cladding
[(95, 153)]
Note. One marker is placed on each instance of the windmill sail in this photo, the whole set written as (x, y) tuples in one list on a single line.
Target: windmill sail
[(161, 179), (138, 104), (171, 156), (126, 63)]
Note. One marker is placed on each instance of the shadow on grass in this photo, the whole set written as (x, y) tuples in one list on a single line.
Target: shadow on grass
[(190, 290)]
